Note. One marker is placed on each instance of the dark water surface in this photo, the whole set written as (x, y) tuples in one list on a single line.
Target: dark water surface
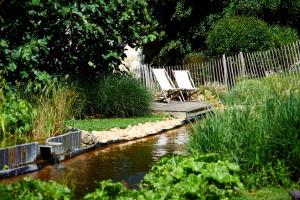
[(126, 162)]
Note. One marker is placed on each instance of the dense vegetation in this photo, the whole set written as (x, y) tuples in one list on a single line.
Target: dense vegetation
[(29, 189), (117, 96), (246, 34), (259, 130), (185, 25), (67, 37), (47, 46)]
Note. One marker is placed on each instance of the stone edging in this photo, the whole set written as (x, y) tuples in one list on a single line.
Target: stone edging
[(116, 135)]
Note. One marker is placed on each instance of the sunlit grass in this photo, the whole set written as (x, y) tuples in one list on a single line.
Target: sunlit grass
[(106, 124)]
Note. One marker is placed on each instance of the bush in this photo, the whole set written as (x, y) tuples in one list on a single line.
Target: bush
[(262, 131), (16, 114), (179, 177), (119, 96), (245, 34), (195, 58), (28, 189)]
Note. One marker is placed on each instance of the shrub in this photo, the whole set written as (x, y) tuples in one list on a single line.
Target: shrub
[(179, 177), (261, 132), (29, 189), (244, 34), (15, 114), (119, 96), (195, 58)]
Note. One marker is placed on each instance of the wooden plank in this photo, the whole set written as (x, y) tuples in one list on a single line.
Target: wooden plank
[(179, 107)]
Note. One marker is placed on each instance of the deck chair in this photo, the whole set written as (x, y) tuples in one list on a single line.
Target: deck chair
[(167, 86), (185, 82)]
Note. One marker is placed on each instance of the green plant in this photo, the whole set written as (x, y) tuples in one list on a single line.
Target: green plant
[(179, 177), (259, 129), (244, 34), (29, 189), (54, 106), (15, 114), (119, 96), (195, 58), (66, 37)]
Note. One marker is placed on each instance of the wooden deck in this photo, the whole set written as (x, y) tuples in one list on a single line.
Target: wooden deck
[(182, 110)]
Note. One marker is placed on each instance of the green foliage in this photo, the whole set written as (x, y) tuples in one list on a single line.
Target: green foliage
[(259, 129), (265, 194), (195, 57), (29, 189), (83, 38), (245, 34), (119, 96), (193, 177), (55, 104), (184, 24), (16, 114), (282, 12), (179, 177)]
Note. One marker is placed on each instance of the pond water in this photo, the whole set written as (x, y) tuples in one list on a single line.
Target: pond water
[(126, 162)]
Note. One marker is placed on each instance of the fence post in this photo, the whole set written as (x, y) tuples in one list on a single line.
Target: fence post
[(243, 72), (225, 69)]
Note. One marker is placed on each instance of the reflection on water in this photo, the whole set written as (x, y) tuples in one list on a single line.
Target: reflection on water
[(127, 162), (13, 140)]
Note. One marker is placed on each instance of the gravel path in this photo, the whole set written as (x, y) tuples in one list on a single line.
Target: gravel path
[(130, 133)]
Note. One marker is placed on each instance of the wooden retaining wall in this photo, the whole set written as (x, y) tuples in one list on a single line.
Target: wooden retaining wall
[(18, 155), (69, 142)]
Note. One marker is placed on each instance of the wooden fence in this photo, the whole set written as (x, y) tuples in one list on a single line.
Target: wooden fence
[(227, 70)]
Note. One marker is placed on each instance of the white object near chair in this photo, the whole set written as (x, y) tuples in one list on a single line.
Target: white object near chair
[(167, 86), (185, 82)]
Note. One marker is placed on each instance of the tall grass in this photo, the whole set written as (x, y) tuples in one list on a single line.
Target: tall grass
[(259, 129), (118, 96), (53, 106)]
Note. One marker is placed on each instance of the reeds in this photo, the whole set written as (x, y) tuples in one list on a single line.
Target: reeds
[(54, 106), (259, 126)]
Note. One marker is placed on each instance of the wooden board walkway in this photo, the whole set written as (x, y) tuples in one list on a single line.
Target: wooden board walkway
[(182, 110)]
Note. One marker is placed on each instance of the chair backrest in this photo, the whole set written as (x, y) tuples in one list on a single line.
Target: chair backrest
[(163, 79), (183, 79)]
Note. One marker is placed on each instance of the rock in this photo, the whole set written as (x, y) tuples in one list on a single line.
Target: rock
[(88, 138)]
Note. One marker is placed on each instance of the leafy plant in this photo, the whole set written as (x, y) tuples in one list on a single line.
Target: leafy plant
[(29, 189), (179, 177), (66, 37), (15, 114), (119, 96)]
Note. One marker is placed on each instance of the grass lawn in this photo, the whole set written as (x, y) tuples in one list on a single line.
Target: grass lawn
[(265, 194), (106, 124)]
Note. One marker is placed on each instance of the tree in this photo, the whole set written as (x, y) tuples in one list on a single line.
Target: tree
[(281, 12), (79, 38), (245, 34), (185, 24)]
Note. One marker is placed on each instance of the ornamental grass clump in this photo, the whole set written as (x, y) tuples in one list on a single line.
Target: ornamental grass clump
[(259, 129), (54, 105), (119, 96)]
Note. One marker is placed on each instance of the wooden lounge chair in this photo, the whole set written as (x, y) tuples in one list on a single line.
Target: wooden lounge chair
[(185, 82), (168, 88)]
